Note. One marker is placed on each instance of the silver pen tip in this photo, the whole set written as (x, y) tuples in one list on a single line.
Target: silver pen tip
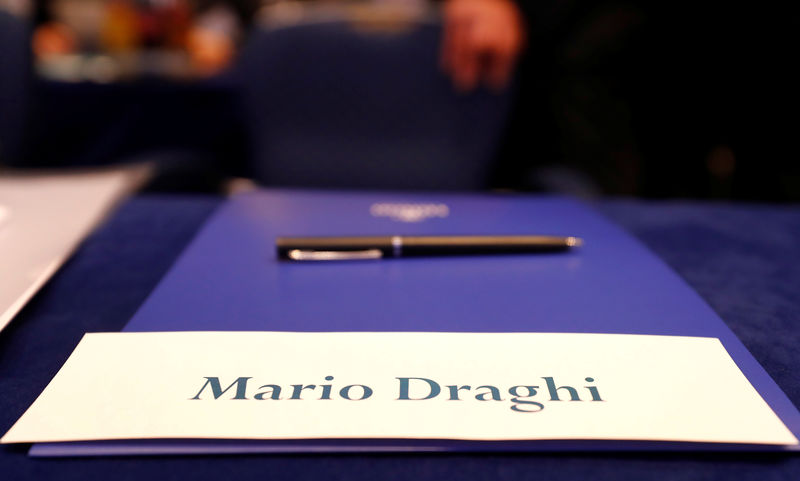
[(574, 241)]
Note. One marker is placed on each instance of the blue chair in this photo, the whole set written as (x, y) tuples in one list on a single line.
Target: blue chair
[(14, 84), (331, 106)]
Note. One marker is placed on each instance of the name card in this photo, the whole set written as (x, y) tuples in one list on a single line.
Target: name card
[(466, 386)]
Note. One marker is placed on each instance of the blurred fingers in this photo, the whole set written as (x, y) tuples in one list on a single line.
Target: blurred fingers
[(481, 44), (459, 57)]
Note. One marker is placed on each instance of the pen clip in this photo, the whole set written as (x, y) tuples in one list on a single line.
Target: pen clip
[(308, 255)]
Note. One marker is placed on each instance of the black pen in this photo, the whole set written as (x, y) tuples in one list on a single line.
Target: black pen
[(377, 247)]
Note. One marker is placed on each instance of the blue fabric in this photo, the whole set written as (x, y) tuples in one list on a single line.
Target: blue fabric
[(741, 259), (328, 105)]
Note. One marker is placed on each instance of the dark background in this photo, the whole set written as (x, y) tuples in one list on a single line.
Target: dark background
[(687, 100), (692, 99)]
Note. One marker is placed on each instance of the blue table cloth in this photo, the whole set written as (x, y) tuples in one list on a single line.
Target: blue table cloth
[(743, 259)]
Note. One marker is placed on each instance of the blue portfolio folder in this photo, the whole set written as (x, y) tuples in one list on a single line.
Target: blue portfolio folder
[(229, 278)]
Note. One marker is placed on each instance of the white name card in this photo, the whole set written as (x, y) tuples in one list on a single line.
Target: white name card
[(468, 386)]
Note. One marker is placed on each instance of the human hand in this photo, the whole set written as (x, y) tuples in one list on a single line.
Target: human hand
[(482, 42)]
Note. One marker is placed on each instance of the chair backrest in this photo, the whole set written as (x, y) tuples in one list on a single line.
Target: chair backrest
[(329, 105), (14, 84)]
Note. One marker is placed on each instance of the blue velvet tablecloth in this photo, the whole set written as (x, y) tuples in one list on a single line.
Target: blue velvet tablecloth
[(743, 259)]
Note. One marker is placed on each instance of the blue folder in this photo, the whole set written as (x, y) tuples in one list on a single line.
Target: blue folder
[(229, 278)]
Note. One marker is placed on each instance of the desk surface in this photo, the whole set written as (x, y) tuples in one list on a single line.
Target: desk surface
[(740, 258)]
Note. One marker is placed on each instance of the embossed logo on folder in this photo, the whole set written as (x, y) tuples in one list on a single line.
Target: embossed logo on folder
[(409, 212)]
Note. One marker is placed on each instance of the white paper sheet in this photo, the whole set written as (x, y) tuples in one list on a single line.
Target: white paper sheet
[(44, 217), (471, 386)]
